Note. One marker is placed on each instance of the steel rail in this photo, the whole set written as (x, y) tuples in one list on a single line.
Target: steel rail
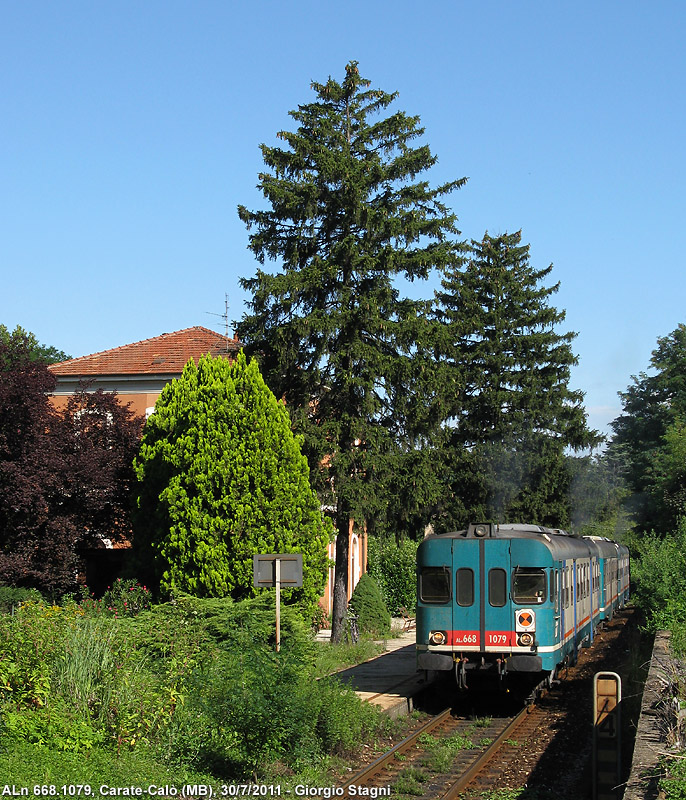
[(371, 769), (486, 757)]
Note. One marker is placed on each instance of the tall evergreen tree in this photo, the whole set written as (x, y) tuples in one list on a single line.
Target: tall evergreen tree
[(336, 339), (221, 478), (513, 413)]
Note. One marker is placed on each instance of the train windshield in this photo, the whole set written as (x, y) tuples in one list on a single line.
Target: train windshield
[(434, 585), (529, 585)]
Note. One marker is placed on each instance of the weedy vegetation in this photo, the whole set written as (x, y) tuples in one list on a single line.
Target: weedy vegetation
[(186, 691)]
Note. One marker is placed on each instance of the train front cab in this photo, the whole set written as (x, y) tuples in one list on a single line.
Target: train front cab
[(503, 599), (486, 603)]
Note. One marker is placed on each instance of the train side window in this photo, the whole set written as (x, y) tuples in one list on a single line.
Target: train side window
[(434, 585), (464, 586), (497, 587), (529, 585), (552, 586)]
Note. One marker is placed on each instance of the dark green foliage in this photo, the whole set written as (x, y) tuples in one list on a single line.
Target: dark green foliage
[(659, 576), (252, 707), (393, 566), (221, 478), (368, 604), (234, 625), (596, 494), (507, 371), (44, 354), (346, 215), (649, 436)]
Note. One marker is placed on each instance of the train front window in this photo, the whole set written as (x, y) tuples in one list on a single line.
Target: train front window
[(497, 587), (434, 585), (528, 585), (464, 587)]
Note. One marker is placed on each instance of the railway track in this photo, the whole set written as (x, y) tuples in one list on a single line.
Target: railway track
[(447, 756)]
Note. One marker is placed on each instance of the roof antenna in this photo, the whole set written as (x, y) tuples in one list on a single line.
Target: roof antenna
[(225, 317)]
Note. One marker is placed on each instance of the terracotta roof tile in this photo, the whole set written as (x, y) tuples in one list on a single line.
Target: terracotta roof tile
[(165, 354)]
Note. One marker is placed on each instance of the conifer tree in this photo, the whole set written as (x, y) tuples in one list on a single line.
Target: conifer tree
[(514, 413), (336, 339), (222, 478)]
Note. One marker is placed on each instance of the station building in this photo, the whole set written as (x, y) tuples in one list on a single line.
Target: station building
[(138, 372)]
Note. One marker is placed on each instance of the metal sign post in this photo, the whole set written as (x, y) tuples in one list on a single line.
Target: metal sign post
[(277, 570)]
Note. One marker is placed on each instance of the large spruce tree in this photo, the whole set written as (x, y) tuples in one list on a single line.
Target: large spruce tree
[(221, 478), (507, 371), (346, 215)]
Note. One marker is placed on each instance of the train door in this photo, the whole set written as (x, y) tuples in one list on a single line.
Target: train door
[(558, 604), (481, 611)]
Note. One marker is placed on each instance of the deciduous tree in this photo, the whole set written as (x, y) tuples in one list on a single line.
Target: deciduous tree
[(36, 351), (64, 476), (650, 435)]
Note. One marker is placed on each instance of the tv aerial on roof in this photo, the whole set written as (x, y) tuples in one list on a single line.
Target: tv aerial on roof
[(225, 318)]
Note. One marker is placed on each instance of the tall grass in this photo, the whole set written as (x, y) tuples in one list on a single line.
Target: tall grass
[(85, 668)]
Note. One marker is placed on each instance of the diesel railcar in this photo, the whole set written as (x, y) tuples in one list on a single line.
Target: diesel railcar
[(501, 599)]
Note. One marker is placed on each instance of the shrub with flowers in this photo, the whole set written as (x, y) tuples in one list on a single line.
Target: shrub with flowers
[(126, 598)]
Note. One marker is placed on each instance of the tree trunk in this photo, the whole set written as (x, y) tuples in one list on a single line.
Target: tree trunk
[(340, 585)]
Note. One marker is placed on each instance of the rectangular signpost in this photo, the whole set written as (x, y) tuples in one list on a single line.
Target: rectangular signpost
[(278, 570)]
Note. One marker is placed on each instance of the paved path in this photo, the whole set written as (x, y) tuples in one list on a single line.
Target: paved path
[(389, 680)]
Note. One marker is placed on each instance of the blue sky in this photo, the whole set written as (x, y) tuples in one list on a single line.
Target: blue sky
[(130, 133)]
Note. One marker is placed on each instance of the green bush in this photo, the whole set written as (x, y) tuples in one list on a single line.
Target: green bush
[(56, 726), (12, 596), (193, 683), (659, 576), (126, 598), (367, 602), (393, 566)]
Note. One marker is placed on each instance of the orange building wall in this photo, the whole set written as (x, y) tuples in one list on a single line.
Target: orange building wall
[(140, 403)]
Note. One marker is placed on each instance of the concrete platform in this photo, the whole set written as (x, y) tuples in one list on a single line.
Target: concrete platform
[(390, 680), (655, 723)]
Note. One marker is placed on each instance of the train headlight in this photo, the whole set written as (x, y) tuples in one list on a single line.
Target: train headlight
[(525, 639), (480, 530), (437, 637)]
